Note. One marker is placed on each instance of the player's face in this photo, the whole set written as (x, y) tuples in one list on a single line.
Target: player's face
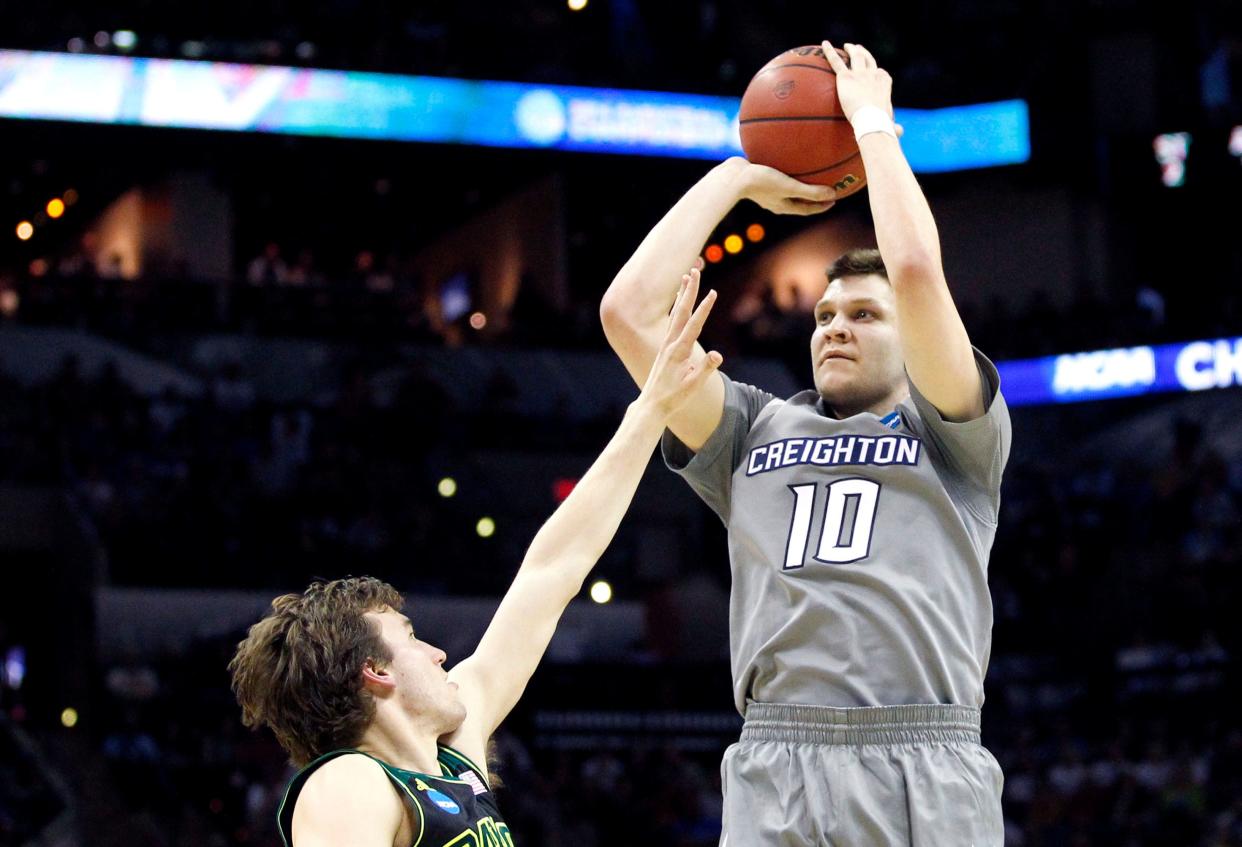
[(421, 682), (856, 349)]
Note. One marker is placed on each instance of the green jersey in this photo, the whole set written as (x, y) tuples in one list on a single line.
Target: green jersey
[(454, 807)]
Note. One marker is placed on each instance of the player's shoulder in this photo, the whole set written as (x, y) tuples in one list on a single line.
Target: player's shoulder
[(352, 781), (343, 797)]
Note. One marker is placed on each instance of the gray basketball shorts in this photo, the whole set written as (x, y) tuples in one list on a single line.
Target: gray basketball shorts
[(861, 777)]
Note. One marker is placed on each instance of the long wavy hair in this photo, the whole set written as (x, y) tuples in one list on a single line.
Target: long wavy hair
[(299, 670)]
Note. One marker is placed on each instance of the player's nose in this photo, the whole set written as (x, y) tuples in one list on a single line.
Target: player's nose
[(838, 328)]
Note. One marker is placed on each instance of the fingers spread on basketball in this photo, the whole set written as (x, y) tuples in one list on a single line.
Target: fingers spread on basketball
[(794, 189), (862, 82), (796, 206), (786, 195), (860, 58), (838, 65)]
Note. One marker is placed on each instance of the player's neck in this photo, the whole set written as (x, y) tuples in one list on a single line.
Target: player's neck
[(880, 407), (401, 743)]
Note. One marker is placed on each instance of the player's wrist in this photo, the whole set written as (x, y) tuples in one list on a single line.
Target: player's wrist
[(647, 412), (735, 172), (870, 119)]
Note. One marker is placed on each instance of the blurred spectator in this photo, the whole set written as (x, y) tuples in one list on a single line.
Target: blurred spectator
[(267, 268)]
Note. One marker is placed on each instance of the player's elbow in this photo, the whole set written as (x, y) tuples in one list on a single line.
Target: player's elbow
[(619, 323), (611, 308), (559, 579), (913, 265)]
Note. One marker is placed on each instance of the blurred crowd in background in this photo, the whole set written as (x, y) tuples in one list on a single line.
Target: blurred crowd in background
[(385, 300)]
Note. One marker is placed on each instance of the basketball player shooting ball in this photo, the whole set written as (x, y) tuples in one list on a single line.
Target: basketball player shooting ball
[(392, 748), (860, 517)]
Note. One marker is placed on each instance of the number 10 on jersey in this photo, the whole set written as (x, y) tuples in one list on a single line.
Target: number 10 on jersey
[(849, 518)]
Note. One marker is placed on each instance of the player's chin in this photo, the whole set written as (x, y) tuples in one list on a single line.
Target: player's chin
[(831, 377)]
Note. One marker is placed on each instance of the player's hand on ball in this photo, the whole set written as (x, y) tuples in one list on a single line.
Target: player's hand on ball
[(862, 82), (780, 193), (681, 367)]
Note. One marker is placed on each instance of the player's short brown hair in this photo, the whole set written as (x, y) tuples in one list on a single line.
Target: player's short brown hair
[(861, 261), (298, 671)]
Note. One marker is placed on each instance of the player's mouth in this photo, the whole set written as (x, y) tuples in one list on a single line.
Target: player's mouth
[(834, 354)]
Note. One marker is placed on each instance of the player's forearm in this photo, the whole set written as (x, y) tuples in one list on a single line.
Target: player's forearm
[(643, 290), (583, 526), (905, 230)]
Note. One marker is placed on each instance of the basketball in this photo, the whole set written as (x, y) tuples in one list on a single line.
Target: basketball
[(791, 120)]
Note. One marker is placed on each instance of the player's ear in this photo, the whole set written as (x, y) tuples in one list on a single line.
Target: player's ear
[(376, 675)]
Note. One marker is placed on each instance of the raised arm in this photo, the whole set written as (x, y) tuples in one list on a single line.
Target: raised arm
[(937, 349), (567, 547), (635, 308)]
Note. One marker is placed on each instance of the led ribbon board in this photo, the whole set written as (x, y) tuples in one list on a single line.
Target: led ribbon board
[(347, 104), (1123, 372)]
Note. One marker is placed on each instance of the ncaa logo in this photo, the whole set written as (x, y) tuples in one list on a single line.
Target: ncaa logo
[(783, 89), (444, 801)]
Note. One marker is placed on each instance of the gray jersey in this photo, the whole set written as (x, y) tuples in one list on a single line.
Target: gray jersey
[(859, 547)]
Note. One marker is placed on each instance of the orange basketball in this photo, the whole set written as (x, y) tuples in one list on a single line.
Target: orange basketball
[(791, 120)]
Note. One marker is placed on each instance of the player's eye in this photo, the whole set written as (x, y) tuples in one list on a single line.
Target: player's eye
[(862, 313), (825, 317)]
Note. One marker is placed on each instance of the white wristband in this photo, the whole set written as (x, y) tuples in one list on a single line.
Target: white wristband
[(871, 119)]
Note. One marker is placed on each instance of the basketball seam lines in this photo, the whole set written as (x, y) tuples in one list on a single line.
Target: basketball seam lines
[(828, 167), (796, 118), (797, 65)]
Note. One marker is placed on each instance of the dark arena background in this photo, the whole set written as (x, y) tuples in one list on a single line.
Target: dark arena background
[(333, 308)]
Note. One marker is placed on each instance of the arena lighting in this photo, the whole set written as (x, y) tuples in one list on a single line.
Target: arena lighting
[(486, 527), (15, 658), (447, 487), (601, 592), (478, 320), (1123, 372), (124, 39), (755, 232), (25, 229), (577, 5), (713, 253), (562, 488), (69, 718), (352, 104), (733, 243), (70, 197), (1235, 141), (9, 301), (1171, 150), (102, 40), (55, 207)]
